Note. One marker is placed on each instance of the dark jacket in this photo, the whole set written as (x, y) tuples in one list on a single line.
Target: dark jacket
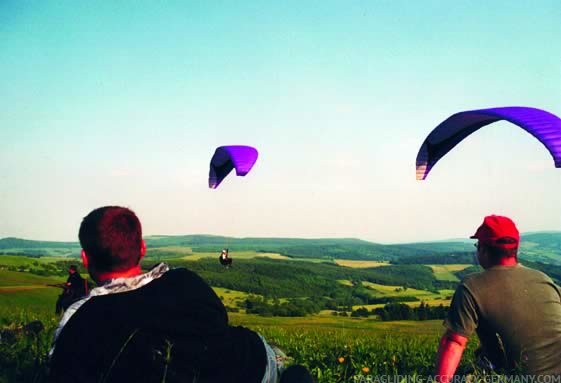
[(77, 286), (174, 329)]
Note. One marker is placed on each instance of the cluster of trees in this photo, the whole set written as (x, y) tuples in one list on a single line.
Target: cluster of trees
[(466, 257), (46, 269), (30, 253), (328, 249), (400, 311), (294, 307), (275, 278), (337, 302), (307, 288)]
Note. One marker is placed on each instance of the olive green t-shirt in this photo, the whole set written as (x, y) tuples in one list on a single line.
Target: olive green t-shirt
[(516, 312)]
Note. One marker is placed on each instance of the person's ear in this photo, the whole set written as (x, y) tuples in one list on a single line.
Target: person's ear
[(85, 260), (142, 249)]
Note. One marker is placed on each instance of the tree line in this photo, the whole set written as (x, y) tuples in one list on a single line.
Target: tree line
[(400, 311)]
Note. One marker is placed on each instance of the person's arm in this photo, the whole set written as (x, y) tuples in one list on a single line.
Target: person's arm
[(450, 352), (461, 321)]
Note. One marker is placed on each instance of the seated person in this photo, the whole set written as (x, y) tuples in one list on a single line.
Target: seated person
[(163, 325), (514, 310), (75, 288)]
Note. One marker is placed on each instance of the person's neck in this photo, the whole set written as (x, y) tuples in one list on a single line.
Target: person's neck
[(510, 261), (108, 275)]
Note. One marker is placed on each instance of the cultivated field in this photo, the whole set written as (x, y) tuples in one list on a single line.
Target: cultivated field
[(360, 264), (235, 255), (445, 272)]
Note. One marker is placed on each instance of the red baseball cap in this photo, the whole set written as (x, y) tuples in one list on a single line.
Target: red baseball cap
[(498, 231)]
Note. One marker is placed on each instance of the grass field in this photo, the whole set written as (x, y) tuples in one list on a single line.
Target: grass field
[(379, 291), (22, 261), (335, 349), (428, 297), (330, 322), (54, 252), (235, 255), (443, 296), (345, 282), (24, 292), (360, 264), (41, 300), (230, 298), (431, 302), (338, 350), (15, 278), (169, 249), (445, 272)]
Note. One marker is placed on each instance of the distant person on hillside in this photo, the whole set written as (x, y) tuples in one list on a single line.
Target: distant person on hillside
[(75, 288), (515, 310), (162, 325), (224, 259)]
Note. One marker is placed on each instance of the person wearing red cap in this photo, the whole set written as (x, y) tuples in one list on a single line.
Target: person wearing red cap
[(515, 310)]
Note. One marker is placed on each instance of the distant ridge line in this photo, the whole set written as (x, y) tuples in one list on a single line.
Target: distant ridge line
[(31, 242)]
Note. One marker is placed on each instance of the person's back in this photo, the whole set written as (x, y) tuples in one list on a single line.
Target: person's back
[(162, 325), (522, 306), (173, 329), (515, 311)]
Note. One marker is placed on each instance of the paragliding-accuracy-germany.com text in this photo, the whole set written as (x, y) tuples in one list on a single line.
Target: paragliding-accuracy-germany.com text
[(495, 378)]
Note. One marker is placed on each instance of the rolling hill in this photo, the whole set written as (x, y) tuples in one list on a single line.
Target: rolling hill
[(536, 247)]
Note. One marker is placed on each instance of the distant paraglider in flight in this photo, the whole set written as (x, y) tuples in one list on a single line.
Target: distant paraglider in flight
[(225, 158), (545, 126), (224, 259)]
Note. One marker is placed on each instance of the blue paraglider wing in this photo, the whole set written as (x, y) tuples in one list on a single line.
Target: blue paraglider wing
[(545, 126), (225, 158)]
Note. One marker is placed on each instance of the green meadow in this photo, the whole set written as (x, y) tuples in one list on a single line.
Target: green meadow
[(336, 347), (446, 272)]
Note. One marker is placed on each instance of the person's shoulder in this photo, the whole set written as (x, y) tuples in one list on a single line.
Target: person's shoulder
[(182, 276), (472, 278), (533, 272), (180, 273)]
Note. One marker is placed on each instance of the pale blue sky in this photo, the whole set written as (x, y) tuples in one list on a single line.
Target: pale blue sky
[(115, 102)]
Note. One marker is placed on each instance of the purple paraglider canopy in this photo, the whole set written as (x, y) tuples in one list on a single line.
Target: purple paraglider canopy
[(545, 126), (226, 158)]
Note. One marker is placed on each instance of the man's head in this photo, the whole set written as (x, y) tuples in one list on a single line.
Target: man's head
[(72, 269), (498, 239), (111, 239)]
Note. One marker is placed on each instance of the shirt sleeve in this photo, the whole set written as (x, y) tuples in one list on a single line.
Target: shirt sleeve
[(463, 315)]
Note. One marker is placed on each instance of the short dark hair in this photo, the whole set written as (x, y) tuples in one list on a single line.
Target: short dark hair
[(111, 236), (496, 252)]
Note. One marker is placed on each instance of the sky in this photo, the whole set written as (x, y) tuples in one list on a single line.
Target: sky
[(124, 102)]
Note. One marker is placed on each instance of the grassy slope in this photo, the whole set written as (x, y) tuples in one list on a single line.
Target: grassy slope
[(14, 278), (446, 272), (360, 264), (327, 322), (24, 296)]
